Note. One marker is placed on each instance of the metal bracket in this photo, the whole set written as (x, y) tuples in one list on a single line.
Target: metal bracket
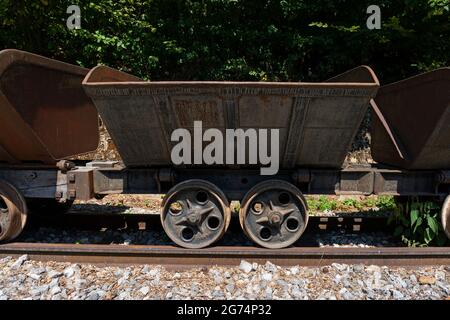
[(65, 165), (80, 184)]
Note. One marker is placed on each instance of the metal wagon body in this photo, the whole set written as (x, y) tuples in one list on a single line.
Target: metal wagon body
[(317, 121)]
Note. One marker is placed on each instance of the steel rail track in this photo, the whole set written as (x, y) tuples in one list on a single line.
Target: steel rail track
[(176, 257), (180, 258)]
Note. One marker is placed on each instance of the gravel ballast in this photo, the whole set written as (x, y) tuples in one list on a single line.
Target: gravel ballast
[(337, 238), (21, 278)]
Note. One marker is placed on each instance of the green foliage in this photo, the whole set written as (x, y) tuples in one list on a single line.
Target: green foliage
[(234, 39), (386, 203), (324, 203), (417, 223), (352, 203)]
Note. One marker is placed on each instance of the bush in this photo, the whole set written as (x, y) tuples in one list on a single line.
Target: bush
[(288, 40)]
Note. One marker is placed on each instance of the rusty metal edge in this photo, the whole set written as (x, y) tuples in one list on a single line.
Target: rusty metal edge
[(156, 84), (363, 68), (417, 79), (373, 84), (18, 56), (228, 256), (98, 74), (393, 137)]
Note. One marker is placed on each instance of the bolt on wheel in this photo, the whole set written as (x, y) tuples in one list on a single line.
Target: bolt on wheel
[(13, 212), (274, 214), (195, 214), (445, 216)]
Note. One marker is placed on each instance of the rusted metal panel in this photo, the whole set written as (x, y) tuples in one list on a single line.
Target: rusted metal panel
[(351, 181), (317, 121), (358, 180), (37, 183), (411, 183), (84, 183), (411, 124), (44, 111)]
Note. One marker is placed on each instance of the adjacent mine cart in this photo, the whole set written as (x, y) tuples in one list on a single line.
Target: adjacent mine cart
[(45, 115), (411, 124)]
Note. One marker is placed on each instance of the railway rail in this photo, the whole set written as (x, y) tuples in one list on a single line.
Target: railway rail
[(176, 257)]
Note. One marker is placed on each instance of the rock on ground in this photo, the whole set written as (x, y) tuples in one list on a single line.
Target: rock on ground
[(21, 278)]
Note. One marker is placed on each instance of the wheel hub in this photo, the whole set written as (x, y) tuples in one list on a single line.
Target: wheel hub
[(273, 214), (275, 219), (13, 212), (201, 217), (193, 219)]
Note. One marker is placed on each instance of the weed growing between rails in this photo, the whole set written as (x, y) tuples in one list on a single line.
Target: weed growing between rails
[(418, 223), (331, 203)]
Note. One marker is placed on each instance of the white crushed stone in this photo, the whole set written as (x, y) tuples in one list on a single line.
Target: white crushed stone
[(57, 281)]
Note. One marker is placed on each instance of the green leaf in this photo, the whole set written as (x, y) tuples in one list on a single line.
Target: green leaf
[(414, 216), (428, 235), (418, 224), (432, 223)]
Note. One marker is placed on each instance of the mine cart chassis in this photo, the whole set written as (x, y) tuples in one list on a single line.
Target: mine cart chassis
[(35, 186), (100, 178)]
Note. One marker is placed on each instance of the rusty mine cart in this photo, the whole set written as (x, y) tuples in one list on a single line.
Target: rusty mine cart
[(49, 111)]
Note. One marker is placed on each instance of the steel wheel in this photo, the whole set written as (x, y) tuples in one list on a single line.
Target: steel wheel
[(195, 214), (13, 212), (274, 214), (446, 216)]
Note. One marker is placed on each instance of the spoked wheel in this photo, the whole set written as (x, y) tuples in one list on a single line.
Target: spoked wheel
[(13, 212), (445, 216), (274, 214), (195, 214)]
